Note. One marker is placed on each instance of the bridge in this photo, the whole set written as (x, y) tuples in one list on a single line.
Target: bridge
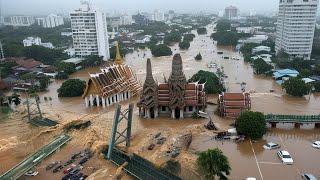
[(138, 167), (273, 119), (35, 158)]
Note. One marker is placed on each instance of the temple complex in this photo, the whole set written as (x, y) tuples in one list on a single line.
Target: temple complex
[(115, 83), (176, 98), (232, 104)]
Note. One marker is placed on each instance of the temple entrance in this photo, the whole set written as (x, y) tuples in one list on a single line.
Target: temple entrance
[(152, 112), (177, 113)]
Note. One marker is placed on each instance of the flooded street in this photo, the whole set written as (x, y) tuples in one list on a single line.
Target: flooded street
[(18, 138)]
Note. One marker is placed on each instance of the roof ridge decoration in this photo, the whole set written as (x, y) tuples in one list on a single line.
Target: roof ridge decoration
[(118, 59)]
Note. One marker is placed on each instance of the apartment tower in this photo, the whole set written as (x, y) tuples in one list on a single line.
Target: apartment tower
[(89, 32), (295, 27)]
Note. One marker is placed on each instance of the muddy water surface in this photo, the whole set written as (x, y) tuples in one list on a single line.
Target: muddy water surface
[(18, 138)]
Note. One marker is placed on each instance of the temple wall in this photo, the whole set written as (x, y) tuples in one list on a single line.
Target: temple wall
[(97, 100)]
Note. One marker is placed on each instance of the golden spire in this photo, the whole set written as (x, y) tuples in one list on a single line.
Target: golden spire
[(118, 59)]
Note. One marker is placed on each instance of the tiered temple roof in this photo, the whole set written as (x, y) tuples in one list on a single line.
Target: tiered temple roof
[(113, 79), (232, 104), (176, 93)]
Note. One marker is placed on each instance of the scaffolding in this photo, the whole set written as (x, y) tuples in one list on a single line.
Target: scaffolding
[(34, 112), (119, 136)]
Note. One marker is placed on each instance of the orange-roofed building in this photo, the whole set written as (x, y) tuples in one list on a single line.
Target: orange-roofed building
[(232, 104)]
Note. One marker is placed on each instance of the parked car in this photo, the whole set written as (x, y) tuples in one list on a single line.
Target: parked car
[(285, 157), (32, 173), (52, 165), (271, 145), (316, 144), (308, 176), (66, 171), (83, 160), (57, 169)]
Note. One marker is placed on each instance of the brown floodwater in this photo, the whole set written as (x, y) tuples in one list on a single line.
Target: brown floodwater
[(18, 138)]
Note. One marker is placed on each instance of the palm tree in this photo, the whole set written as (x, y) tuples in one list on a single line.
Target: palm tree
[(213, 163)]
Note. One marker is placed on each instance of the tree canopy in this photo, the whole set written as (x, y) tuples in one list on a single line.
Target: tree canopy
[(202, 30), (261, 67), (172, 37), (71, 88), (93, 60), (188, 37), (160, 50), (251, 124), (213, 163), (68, 68), (212, 85), (198, 56), (296, 87), (223, 25), (184, 45)]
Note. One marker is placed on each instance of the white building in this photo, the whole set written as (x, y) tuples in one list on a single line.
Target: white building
[(231, 12), (50, 21), (31, 41), (89, 32), (126, 20), (257, 39), (295, 27), (260, 49), (20, 21), (158, 16)]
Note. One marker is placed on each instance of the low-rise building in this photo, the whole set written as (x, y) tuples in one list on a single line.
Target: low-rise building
[(31, 41), (261, 49), (258, 39), (142, 39), (76, 61), (265, 57), (232, 104), (282, 75)]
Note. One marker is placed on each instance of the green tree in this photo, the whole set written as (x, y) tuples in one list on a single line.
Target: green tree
[(304, 73), (44, 83), (223, 25), (172, 38), (188, 37), (261, 67), (43, 54), (6, 68), (202, 30), (160, 50), (213, 163), (296, 87), (316, 86), (212, 85), (251, 124), (93, 60), (71, 88), (184, 45), (198, 57), (68, 68)]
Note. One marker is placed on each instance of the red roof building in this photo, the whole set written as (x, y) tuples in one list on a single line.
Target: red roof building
[(232, 104)]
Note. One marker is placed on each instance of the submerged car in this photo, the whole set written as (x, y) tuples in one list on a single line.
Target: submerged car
[(32, 173), (285, 157), (316, 144), (271, 145), (308, 176)]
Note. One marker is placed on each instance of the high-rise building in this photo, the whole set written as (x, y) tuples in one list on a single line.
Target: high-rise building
[(231, 12), (126, 19), (50, 21), (19, 21), (89, 32), (295, 27), (158, 15)]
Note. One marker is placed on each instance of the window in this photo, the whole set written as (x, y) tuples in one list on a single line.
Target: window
[(190, 108)]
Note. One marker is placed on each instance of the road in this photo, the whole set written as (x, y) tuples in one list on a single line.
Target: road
[(35, 158)]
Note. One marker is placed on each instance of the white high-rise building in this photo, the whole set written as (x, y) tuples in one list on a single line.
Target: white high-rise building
[(126, 19), (231, 12), (20, 21), (295, 27), (50, 21), (158, 15), (89, 32)]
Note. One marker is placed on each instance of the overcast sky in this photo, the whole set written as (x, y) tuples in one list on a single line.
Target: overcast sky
[(42, 7)]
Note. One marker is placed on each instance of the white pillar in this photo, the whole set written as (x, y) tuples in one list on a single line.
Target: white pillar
[(107, 101), (91, 100), (103, 102), (97, 100), (181, 113), (125, 95), (129, 95), (172, 114), (156, 112), (86, 101)]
